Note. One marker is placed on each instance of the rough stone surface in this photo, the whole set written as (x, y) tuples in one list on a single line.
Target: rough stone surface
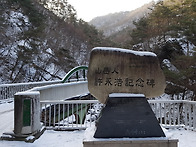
[(114, 70)]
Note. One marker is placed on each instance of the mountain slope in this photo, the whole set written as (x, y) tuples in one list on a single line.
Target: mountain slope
[(37, 45), (113, 23)]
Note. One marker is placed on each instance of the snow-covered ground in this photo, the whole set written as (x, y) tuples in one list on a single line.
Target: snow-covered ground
[(52, 138)]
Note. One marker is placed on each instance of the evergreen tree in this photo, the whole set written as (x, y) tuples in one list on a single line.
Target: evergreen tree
[(168, 31)]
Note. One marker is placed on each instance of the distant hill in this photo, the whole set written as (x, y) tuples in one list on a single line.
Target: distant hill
[(116, 22)]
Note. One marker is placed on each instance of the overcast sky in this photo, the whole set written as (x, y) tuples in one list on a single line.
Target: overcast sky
[(88, 9)]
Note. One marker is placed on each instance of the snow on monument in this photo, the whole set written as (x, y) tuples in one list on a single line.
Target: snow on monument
[(115, 70)]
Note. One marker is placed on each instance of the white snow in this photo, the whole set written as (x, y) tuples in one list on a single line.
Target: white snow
[(17, 22), (28, 93), (24, 43), (138, 53), (125, 95), (52, 138), (170, 66), (49, 50), (187, 46), (6, 116)]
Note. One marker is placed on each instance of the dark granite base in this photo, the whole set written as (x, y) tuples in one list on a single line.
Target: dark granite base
[(130, 117)]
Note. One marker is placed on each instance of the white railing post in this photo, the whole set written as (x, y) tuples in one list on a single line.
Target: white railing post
[(194, 117), (178, 114), (160, 110), (185, 114), (189, 116)]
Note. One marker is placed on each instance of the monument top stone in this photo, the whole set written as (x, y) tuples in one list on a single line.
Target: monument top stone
[(115, 70)]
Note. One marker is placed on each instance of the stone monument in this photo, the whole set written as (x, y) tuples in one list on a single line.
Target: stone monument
[(114, 70), (122, 79)]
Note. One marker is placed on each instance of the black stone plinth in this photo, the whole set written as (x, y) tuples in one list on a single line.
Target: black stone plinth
[(128, 117)]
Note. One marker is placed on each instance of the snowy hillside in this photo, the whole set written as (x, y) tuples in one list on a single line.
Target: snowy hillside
[(39, 44)]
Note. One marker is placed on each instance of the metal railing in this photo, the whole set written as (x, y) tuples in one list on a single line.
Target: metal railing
[(76, 74), (62, 91), (67, 114), (8, 90), (175, 113)]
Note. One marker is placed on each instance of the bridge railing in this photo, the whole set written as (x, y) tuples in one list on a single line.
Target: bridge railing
[(76, 74), (8, 90), (69, 115), (175, 113), (62, 91), (63, 115)]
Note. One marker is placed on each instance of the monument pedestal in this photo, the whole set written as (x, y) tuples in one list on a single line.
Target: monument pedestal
[(131, 142), (90, 141), (127, 116), (127, 120)]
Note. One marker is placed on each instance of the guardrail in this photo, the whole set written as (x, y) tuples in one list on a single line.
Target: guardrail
[(76, 74), (69, 115), (170, 113), (27, 104), (175, 113), (8, 90), (62, 91)]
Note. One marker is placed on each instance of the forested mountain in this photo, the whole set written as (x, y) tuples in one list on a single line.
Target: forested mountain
[(168, 29), (42, 40), (116, 22)]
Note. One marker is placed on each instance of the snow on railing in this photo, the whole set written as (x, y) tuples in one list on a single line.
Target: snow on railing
[(67, 114), (62, 91)]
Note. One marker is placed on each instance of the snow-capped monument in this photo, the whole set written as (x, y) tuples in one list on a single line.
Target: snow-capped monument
[(114, 70), (122, 79)]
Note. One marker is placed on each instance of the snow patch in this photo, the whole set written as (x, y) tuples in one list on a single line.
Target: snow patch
[(49, 50), (28, 93), (30, 138), (187, 46), (170, 66), (138, 53), (113, 95), (17, 22)]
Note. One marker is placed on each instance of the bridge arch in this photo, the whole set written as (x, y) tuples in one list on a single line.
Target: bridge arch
[(76, 71)]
